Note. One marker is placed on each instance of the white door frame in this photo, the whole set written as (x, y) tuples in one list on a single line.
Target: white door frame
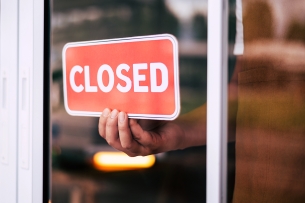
[(8, 97), (30, 176), (24, 100), (217, 101)]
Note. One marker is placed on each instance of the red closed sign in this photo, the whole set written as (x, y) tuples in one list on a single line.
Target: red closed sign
[(137, 75)]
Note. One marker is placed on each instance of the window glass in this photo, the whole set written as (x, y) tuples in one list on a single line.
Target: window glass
[(267, 104), (175, 176)]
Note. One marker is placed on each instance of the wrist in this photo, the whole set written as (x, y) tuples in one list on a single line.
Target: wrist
[(191, 135)]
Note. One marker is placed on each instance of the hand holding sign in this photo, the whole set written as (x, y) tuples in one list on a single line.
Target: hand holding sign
[(140, 137)]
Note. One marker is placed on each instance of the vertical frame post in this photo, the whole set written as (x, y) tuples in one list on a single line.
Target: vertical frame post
[(41, 100), (34, 109), (25, 101), (8, 100), (217, 101)]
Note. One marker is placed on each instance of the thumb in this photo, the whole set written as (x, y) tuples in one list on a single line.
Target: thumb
[(142, 136)]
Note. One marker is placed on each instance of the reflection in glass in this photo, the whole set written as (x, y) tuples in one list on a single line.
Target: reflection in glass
[(270, 104), (116, 161)]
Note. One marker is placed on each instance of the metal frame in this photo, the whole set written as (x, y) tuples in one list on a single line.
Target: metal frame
[(8, 97), (216, 112), (217, 101), (24, 101)]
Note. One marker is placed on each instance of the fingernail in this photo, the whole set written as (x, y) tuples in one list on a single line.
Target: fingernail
[(121, 117), (114, 113), (106, 112)]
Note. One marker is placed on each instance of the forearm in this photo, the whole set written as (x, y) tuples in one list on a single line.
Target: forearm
[(193, 125)]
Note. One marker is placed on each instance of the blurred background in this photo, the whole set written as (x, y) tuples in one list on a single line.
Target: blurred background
[(79, 171)]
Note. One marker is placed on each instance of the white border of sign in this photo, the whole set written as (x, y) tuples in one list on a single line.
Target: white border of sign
[(122, 40)]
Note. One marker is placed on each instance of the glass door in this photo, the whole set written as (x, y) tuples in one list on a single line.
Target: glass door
[(79, 173)]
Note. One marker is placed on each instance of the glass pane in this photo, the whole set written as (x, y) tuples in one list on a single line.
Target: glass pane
[(176, 175), (267, 103)]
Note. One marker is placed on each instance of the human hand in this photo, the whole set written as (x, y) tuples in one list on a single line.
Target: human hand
[(139, 137)]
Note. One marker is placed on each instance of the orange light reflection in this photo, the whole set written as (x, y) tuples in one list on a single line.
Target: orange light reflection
[(119, 161)]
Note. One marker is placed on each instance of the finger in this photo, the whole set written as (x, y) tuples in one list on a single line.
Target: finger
[(102, 122), (112, 133), (102, 130), (126, 138)]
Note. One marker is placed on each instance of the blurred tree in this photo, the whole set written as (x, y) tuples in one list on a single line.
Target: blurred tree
[(153, 18), (200, 27), (232, 27), (258, 21), (296, 32), (146, 18)]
